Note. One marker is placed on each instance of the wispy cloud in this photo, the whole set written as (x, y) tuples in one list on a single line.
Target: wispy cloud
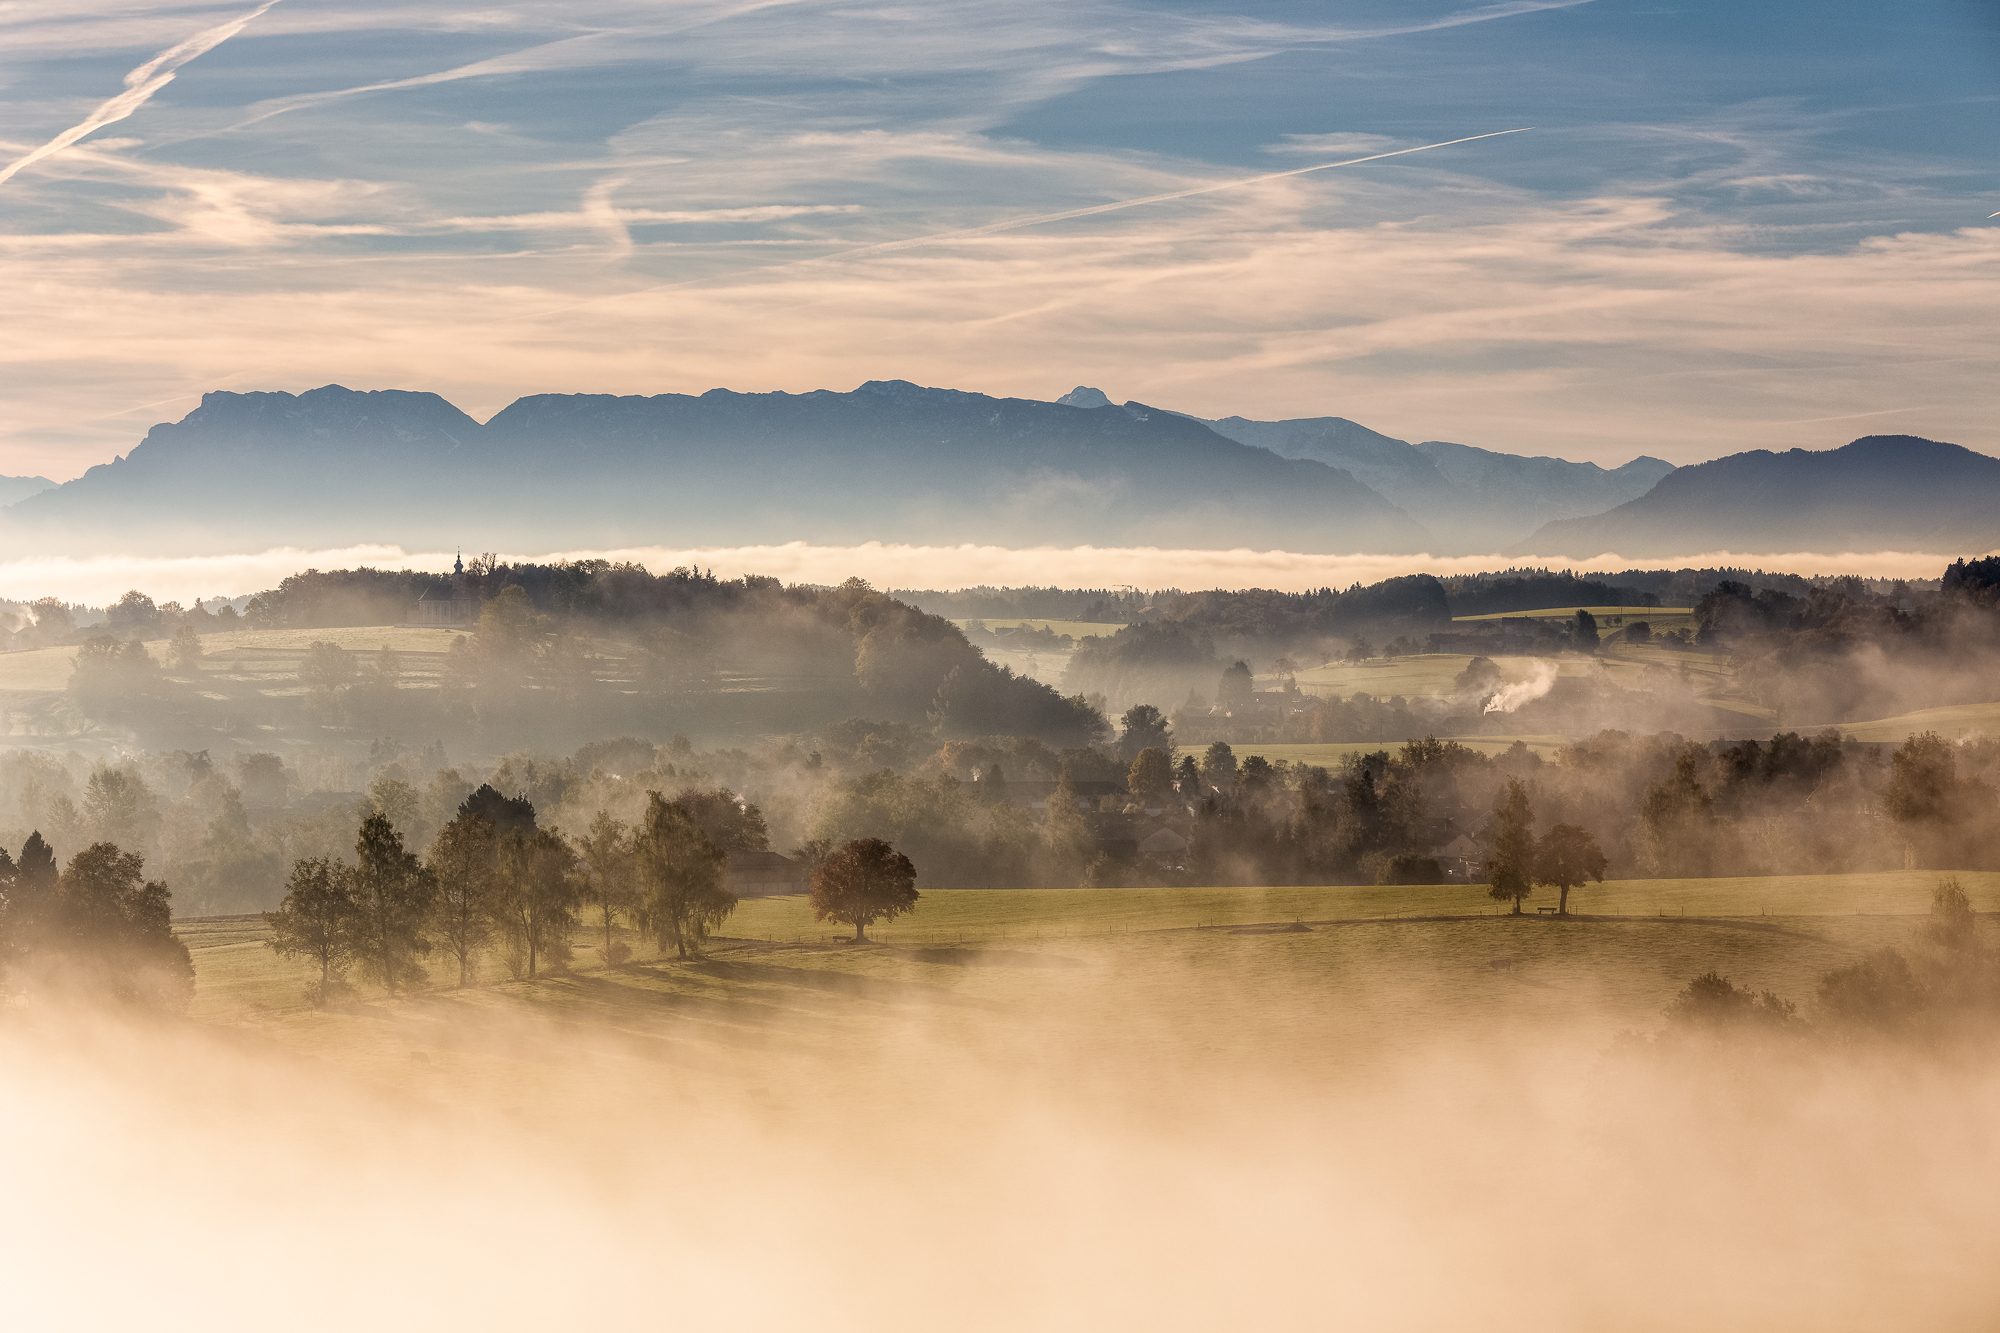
[(140, 86)]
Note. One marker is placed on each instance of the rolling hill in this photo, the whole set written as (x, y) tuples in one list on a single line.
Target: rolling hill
[(1880, 493)]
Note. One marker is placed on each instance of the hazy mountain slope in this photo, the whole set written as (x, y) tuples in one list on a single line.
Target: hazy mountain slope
[(1541, 487), (1882, 492), (1475, 500), (889, 461), (20, 488)]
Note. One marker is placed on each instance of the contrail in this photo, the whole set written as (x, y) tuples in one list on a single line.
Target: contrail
[(1119, 205), (1044, 219), (140, 85)]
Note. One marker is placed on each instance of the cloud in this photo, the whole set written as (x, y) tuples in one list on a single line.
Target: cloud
[(140, 86)]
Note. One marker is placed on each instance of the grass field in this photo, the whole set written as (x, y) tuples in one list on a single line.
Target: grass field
[(1953, 723), (1640, 939), (1075, 629), (1660, 618), (1332, 754), (1435, 675), (244, 654)]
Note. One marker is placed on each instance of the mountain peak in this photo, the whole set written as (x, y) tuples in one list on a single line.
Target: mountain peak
[(1086, 397)]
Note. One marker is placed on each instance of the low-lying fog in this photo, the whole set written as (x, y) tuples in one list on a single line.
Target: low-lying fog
[(1066, 1143), (104, 579)]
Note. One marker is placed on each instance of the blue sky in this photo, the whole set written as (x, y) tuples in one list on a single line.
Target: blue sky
[(1731, 226)]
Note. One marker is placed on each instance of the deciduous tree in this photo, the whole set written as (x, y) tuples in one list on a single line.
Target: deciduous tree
[(320, 921), (394, 893), (1510, 846), (1566, 857), (682, 895), (862, 882)]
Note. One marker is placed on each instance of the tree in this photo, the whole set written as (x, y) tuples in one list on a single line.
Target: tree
[(682, 896), (1151, 777), (31, 896), (1952, 926), (1712, 1002), (607, 853), (119, 807), (1218, 766), (185, 647), (1510, 846), (1237, 688), (464, 865), (114, 933), (1066, 833), (1583, 631), (394, 892), (1929, 797), (728, 821), (862, 882), (319, 920), (134, 611), (1565, 858), (538, 896), (1143, 727)]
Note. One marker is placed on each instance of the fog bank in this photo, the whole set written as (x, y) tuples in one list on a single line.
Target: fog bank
[(1195, 1159), (103, 579)]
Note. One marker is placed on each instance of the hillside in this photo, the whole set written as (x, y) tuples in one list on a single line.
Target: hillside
[(1882, 492), (1475, 500), (889, 461)]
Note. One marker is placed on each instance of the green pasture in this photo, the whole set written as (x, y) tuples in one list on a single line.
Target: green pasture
[(1639, 938), (1332, 754), (1953, 723), (1607, 617), (1075, 629)]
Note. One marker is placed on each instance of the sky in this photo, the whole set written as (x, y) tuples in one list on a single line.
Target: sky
[(1726, 226)]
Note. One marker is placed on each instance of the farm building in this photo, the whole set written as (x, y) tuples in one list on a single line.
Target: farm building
[(763, 874)]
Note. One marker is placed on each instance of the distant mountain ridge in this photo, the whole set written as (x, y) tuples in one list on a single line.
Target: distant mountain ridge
[(892, 461), (1475, 499), (20, 488), (889, 461), (1879, 493)]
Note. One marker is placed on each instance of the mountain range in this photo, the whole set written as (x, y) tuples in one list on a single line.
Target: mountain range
[(1483, 500), (895, 462), (1880, 493), (889, 461)]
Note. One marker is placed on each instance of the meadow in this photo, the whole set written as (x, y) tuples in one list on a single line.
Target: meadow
[(1073, 629), (1660, 618), (1430, 956)]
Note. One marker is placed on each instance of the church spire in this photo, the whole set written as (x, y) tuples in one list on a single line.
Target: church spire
[(458, 565)]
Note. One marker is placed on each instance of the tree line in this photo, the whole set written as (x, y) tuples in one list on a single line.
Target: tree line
[(94, 929), (496, 879)]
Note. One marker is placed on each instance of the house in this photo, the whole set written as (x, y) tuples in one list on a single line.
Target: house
[(763, 874), (1463, 859), (1165, 845)]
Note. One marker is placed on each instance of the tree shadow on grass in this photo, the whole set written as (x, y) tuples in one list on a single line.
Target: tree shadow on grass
[(826, 982), (973, 956)]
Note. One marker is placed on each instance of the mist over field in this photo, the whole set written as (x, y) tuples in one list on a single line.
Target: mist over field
[(1084, 1135)]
